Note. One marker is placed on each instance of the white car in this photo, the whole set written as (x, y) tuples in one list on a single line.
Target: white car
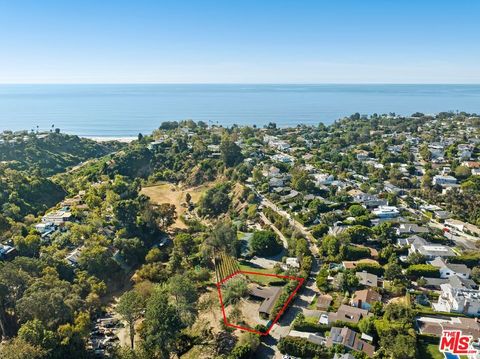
[(323, 319)]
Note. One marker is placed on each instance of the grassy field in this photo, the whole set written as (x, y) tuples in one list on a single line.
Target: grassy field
[(429, 351), (258, 278), (169, 193)]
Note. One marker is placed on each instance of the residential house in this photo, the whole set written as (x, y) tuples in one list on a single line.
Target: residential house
[(450, 269), (367, 279), (365, 298), (324, 301), (458, 300), (353, 264), (442, 215), (57, 217), (343, 356), (44, 227), (430, 250), (7, 252), (268, 295), (386, 212), (393, 189), (369, 201), (276, 182), (310, 337), (349, 339), (407, 242), (362, 155), (323, 179), (73, 257), (292, 262), (284, 158), (272, 172), (462, 226), (454, 281), (444, 180), (471, 164), (410, 228), (436, 325), (348, 314)]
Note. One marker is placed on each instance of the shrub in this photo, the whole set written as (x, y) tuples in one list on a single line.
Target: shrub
[(422, 270), (373, 268), (354, 253), (319, 230), (302, 348)]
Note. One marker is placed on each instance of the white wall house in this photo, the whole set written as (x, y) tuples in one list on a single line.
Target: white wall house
[(386, 212), (444, 180), (448, 270), (458, 300)]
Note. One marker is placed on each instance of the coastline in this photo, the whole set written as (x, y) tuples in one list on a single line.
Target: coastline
[(124, 139)]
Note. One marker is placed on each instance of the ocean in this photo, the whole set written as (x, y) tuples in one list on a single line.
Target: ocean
[(126, 110)]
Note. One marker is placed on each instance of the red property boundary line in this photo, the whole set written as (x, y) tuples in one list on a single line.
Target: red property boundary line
[(300, 283)]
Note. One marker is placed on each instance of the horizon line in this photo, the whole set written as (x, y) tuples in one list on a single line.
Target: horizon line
[(241, 83)]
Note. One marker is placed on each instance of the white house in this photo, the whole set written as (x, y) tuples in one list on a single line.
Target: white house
[(323, 179), (444, 180), (57, 217), (292, 262), (430, 250), (386, 212), (44, 227), (448, 270), (458, 300)]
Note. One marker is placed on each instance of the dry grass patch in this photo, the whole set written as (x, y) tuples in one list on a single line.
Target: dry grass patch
[(170, 193)]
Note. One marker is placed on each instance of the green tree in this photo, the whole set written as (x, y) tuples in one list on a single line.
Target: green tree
[(462, 172), (167, 214), (393, 271), (28, 246), (357, 210), (322, 279), (231, 152), (215, 201), (20, 349), (222, 238), (265, 243), (130, 307), (161, 326), (319, 230), (366, 325), (182, 288), (35, 333)]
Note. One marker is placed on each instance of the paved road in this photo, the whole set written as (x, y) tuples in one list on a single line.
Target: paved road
[(462, 240), (275, 229), (268, 348), (293, 222)]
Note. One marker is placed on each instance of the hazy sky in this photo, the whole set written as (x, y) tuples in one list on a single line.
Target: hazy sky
[(232, 41)]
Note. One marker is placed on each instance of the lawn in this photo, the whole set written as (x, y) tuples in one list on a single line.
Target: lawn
[(259, 278), (429, 351), (313, 304)]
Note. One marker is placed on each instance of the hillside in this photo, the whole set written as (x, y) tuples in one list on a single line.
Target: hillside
[(51, 152)]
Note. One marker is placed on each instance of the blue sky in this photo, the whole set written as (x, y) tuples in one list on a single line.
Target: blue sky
[(239, 41)]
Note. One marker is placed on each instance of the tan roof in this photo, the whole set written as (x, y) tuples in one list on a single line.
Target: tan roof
[(347, 313), (269, 296), (323, 301), (367, 296)]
